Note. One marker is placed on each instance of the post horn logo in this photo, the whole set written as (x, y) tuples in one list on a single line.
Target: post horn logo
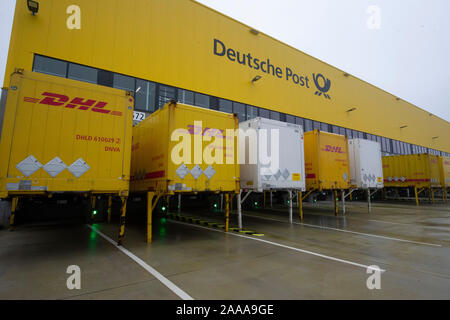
[(322, 88)]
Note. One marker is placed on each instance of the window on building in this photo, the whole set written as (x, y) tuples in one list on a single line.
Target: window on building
[(274, 115), (264, 113), (124, 82), (290, 119), (50, 66), (252, 112), (342, 131), (335, 129), (186, 96), (225, 106), (349, 133), (145, 99), (201, 100), (308, 125), (166, 94), (316, 125), (105, 78), (300, 121), (82, 73), (324, 127), (239, 109)]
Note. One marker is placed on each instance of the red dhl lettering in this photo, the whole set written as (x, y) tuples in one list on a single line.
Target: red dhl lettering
[(60, 100), (112, 149), (206, 131), (330, 148)]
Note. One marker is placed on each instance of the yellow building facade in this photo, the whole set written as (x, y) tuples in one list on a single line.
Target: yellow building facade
[(180, 49)]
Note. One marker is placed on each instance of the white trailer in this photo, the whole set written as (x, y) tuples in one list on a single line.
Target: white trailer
[(284, 169), (366, 168)]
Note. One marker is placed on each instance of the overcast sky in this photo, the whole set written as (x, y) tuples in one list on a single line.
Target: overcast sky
[(400, 46)]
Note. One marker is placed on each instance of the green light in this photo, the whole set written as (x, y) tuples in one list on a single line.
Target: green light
[(94, 212), (315, 200), (163, 208), (288, 201), (215, 205), (256, 203)]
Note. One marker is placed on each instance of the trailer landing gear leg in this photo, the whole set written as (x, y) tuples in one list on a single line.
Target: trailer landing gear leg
[(336, 209), (123, 211), (92, 213), (416, 196), (300, 205), (239, 209), (150, 196), (12, 218), (227, 211), (109, 208)]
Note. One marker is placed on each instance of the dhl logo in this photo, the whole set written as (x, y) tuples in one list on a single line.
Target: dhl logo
[(329, 148), (58, 100)]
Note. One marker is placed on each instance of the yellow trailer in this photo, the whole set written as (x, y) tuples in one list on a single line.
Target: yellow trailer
[(420, 171), (326, 162), (185, 149), (64, 136)]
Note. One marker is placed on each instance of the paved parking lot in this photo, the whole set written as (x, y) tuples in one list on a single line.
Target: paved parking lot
[(325, 257)]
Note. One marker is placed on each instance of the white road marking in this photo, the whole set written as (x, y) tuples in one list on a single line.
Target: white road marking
[(282, 246), (348, 231), (169, 284)]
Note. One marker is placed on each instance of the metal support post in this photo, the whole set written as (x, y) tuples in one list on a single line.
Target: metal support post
[(109, 208), (264, 196), (239, 209), (343, 201), (369, 205), (271, 198), (227, 211), (432, 195), (179, 203), (300, 205), (150, 196), (123, 211), (290, 206), (221, 202), (336, 208), (92, 209), (12, 218), (416, 195)]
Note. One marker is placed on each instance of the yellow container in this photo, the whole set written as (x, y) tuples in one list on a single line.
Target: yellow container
[(62, 135), (444, 164), (326, 161), (171, 147), (414, 170)]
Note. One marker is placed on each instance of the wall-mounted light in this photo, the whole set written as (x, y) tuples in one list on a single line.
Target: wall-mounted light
[(33, 6), (346, 74), (398, 99), (434, 137), (256, 79), (350, 110), (402, 127), (255, 32)]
